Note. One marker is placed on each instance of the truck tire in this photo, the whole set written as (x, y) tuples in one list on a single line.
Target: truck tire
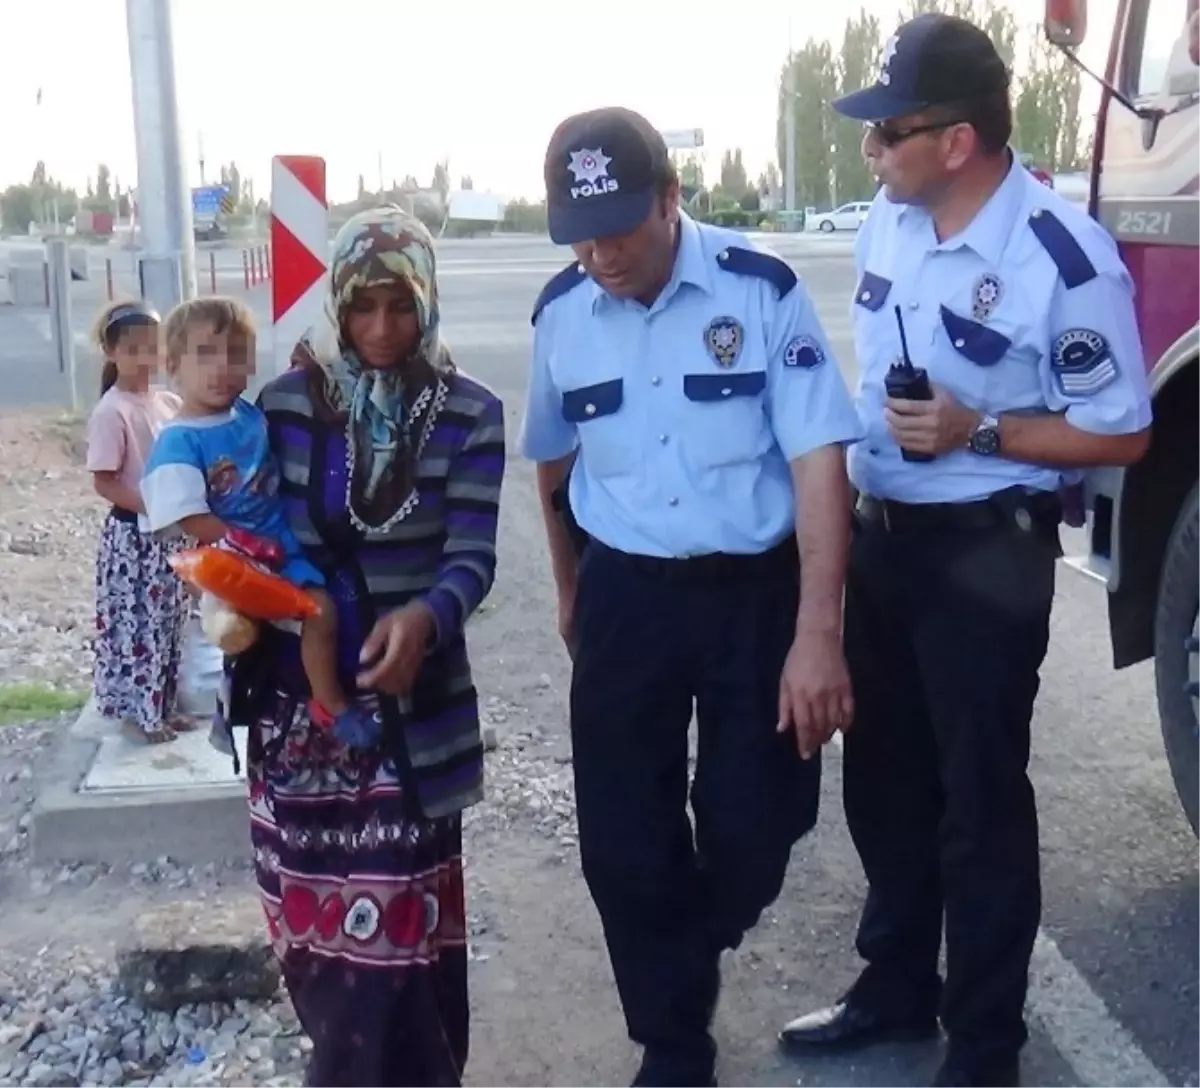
[(1175, 653)]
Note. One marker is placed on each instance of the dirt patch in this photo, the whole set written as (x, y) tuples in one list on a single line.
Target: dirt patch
[(50, 520)]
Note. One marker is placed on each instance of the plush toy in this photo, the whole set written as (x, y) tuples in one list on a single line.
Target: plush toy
[(236, 593)]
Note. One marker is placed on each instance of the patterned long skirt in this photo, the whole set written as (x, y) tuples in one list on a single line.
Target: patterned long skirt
[(364, 904), (141, 606)]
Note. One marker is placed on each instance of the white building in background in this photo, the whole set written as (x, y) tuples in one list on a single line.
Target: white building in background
[(475, 205)]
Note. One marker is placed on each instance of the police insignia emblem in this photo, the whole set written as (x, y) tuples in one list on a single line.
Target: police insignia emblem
[(985, 296), (723, 338), (804, 352)]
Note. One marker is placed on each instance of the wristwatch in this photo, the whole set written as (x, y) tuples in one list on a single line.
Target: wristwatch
[(985, 438)]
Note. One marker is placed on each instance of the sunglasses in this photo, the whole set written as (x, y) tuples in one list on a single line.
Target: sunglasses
[(887, 135)]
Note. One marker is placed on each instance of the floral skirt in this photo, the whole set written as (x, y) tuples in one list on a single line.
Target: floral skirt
[(141, 607), (364, 903)]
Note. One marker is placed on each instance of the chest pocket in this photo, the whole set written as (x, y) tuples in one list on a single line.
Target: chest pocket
[(603, 436), (976, 343), (725, 421)]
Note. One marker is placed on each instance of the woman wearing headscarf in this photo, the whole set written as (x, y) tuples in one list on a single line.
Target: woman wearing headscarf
[(391, 462)]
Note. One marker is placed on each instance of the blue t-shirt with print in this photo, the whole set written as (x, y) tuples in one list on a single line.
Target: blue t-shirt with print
[(222, 465)]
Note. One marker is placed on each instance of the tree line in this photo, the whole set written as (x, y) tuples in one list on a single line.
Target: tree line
[(829, 165)]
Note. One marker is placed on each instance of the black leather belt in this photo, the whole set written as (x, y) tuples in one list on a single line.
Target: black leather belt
[(119, 513), (1013, 506), (713, 567)]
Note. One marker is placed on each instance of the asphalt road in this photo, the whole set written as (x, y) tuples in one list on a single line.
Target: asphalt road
[(1114, 995)]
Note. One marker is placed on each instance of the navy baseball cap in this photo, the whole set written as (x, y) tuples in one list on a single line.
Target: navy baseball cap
[(931, 60), (602, 169)]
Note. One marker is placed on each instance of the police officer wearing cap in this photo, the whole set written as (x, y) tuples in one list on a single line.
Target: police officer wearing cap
[(1019, 309), (681, 378)]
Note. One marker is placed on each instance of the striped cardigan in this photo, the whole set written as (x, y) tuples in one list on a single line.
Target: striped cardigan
[(443, 552)]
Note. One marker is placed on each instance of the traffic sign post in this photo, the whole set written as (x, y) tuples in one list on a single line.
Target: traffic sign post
[(299, 249)]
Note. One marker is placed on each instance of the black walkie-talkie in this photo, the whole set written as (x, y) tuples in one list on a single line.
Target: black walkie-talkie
[(907, 382)]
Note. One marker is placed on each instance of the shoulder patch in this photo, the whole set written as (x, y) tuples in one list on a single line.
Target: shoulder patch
[(558, 285), (753, 262), (1063, 247), (1082, 363), (803, 351)]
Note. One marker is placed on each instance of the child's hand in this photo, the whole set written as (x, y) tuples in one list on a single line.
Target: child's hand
[(258, 548)]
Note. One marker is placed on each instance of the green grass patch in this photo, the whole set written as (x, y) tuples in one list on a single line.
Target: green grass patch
[(30, 702)]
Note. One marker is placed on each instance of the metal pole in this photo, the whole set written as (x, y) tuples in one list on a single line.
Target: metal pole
[(58, 260), (789, 134), (168, 259)]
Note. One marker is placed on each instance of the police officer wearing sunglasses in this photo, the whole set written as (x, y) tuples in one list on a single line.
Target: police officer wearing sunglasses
[(1019, 309)]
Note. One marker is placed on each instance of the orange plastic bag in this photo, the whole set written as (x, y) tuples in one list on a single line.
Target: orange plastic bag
[(242, 584)]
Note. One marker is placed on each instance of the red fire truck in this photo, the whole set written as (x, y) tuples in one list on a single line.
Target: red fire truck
[(1143, 523)]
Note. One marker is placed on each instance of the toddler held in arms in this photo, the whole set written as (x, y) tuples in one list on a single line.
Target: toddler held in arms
[(211, 476)]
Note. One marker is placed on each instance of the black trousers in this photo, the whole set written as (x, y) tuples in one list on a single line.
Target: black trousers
[(651, 643), (946, 629)]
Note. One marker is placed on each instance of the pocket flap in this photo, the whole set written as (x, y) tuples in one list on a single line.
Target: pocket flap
[(710, 387), (592, 401), (872, 291), (983, 346)]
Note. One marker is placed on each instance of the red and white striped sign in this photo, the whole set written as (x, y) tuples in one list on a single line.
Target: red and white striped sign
[(299, 249)]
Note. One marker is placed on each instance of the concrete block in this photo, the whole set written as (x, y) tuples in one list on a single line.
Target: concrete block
[(114, 801)]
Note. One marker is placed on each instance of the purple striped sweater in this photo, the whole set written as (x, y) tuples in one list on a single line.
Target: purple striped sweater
[(443, 552)]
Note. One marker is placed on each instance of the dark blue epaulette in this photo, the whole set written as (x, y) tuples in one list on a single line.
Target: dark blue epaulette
[(559, 284), (1063, 247), (754, 262)]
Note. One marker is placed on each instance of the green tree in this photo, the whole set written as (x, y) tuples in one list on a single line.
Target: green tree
[(734, 183), (103, 185), (441, 180), (814, 77), (857, 66)]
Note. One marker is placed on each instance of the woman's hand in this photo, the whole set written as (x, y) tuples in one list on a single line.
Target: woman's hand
[(400, 641)]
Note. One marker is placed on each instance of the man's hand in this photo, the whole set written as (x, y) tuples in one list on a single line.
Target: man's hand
[(814, 691), (931, 426), (400, 641), (566, 618)]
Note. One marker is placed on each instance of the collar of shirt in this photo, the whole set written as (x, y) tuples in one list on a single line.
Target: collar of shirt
[(692, 266), (988, 233)]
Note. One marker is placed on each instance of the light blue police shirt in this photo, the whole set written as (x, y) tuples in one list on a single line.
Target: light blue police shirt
[(1029, 308), (685, 413)]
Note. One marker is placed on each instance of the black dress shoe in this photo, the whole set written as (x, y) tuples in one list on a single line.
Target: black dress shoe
[(958, 1074), (846, 1026)]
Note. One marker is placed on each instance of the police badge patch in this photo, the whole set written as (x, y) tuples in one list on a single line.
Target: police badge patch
[(1082, 363), (723, 339), (804, 352), (985, 296)]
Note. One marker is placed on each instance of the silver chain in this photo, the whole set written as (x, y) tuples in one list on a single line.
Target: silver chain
[(438, 392)]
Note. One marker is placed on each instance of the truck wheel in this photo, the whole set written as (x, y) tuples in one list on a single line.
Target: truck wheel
[(1176, 654)]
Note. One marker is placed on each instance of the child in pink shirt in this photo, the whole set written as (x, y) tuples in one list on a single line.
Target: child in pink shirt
[(140, 604)]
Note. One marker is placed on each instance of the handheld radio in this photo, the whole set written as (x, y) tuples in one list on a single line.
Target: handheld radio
[(907, 382)]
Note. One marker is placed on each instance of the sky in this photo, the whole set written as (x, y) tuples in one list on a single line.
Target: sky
[(481, 82)]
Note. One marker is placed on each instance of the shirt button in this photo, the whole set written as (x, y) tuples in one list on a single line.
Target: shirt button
[(914, 305), (865, 296), (726, 391), (960, 343), (663, 439), (672, 501), (590, 409), (582, 270), (656, 380)]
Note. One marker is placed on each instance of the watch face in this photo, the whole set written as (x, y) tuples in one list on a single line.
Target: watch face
[(985, 441)]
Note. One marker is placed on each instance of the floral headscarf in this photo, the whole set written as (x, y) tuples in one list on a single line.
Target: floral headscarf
[(388, 412)]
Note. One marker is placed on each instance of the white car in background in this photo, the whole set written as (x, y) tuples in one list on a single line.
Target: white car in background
[(847, 217)]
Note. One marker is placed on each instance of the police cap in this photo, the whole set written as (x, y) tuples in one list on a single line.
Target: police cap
[(931, 60), (602, 171)]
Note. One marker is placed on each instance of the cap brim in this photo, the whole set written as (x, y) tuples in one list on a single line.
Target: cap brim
[(586, 218), (875, 103)]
